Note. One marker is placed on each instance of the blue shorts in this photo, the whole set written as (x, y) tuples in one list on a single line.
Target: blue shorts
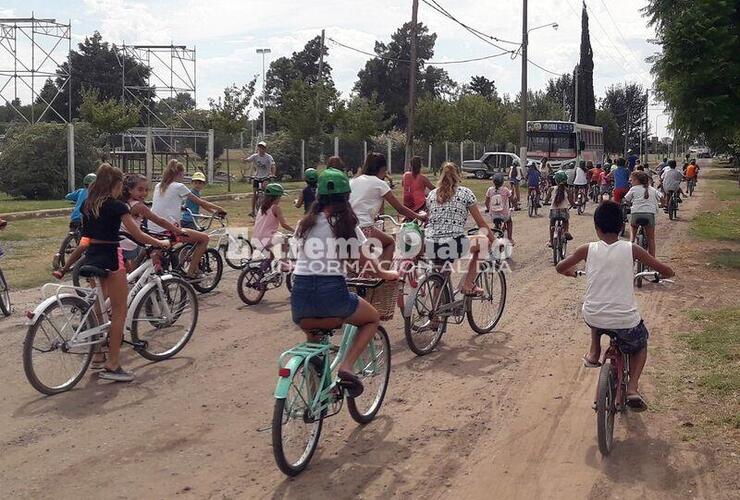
[(321, 297), (629, 340)]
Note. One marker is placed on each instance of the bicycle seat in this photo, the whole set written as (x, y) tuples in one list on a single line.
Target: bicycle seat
[(89, 271), (642, 222), (323, 326)]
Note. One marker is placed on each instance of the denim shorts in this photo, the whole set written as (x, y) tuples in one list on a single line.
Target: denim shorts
[(649, 217), (321, 297), (629, 340), (559, 213)]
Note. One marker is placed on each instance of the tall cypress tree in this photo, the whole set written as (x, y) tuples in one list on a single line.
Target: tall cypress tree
[(585, 80)]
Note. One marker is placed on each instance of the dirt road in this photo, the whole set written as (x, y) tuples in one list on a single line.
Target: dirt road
[(506, 415)]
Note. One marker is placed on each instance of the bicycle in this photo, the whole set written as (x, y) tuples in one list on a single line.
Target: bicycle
[(435, 302), (259, 192), (533, 202), (580, 201), (642, 241), (690, 185), (611, 388), (211, 267), (73, 322), (225, 239), (5, 306), (672, 208), (307, 389), (595, 192), (260, 275), (559, 241), (69, 243)]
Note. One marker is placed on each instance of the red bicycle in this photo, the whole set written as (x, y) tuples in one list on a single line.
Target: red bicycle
[(611, 389)]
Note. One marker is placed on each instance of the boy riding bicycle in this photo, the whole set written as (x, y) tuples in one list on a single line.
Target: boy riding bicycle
[(609, 303)]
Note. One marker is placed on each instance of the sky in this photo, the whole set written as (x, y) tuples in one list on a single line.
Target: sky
[(226, 34)]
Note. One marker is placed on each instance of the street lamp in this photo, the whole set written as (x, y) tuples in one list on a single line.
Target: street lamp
[(525, 42), (264, 92)]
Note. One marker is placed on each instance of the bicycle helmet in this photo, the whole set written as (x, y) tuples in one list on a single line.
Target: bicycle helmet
[(311, 175), (498, 178), (561, 177), (88, 179), (274, 189), (198, 176), (333, 181)]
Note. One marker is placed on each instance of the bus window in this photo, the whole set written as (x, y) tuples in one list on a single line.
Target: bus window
[(538, 143), (563, 143)]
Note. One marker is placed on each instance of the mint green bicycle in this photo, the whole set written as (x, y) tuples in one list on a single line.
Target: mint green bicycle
[(307, 390)]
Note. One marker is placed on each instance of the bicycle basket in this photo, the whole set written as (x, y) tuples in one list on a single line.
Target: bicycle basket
[(383, 298)]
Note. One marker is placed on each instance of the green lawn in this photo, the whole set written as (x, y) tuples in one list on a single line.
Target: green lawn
[(8, 204), (723, 224)]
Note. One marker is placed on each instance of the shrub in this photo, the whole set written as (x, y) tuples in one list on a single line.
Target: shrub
[(33, 164)]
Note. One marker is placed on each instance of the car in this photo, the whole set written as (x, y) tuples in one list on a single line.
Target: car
[(492, 162)]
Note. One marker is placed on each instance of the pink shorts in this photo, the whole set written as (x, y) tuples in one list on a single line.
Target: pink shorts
[(121, 261)]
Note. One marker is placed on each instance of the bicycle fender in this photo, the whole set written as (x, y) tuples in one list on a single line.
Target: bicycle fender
[(35, 314), (283, 383), (134, 303), (408, 306)]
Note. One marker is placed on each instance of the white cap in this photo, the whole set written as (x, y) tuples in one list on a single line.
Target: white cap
[(262, 143)]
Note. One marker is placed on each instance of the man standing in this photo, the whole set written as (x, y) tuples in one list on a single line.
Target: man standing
[(264, 169)]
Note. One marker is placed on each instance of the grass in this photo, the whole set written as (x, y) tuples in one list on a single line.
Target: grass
[(714, 358), (8, 204), (726, 259), (723, 225)]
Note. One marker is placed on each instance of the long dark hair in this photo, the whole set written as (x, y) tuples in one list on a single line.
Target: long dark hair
[(560, 194), (342, 218), (129, 183), (268, 202), (643, 179), (415, 165), (374, 163), (101, 190)]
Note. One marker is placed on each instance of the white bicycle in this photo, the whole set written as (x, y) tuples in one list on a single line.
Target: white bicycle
[(225, 240), (72, 322)]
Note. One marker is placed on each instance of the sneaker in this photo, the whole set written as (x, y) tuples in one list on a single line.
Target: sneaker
[(117, 375)]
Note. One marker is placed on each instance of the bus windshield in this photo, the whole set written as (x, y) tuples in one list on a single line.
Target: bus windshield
[(551, 144)]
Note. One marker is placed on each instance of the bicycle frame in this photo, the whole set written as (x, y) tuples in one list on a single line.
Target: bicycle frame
[(621, 363)]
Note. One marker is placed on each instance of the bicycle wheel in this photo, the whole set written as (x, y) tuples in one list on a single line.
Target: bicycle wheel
[(51, 365), (562, 248), (484, 312), (250, 286), (4, 295), (289, 282), (163, 337), (606, 407), (556, 237), (530, 207), (295, 431), (640, 240), (581, 202), (373, 367), (423, 328), (212, 268), (69, 243), (245, 249)]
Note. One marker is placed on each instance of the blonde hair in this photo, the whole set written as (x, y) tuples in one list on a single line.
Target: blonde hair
[(173, 168), (448, 182), (107, 177)]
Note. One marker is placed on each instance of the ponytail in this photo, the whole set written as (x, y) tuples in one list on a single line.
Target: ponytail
[(560, 194)]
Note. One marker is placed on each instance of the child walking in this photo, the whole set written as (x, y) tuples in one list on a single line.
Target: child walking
[(609, 302)]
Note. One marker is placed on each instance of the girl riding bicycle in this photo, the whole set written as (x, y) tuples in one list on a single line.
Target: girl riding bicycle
[(327, 235), (645, 200), (562, 200), (609, 303), (497, 204), (308, 194), (580, 183), (269, 219), (102, 216)]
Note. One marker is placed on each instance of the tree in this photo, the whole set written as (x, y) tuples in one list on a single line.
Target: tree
[(562, 91), (627, 104), (698, 69), (613, 141), (361, 118), (432, 119), (97, 65), (483, 87), (110, 115), (584, 74), (172, 110), (229, 115), (387, 75)]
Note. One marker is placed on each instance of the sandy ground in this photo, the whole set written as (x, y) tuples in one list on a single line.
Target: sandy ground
[(505, 415)]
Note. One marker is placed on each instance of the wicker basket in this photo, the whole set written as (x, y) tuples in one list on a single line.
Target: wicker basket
[(383, 298)]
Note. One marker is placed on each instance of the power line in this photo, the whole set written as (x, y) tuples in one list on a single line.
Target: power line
[(619, 31), (396, 59), (544, 69)]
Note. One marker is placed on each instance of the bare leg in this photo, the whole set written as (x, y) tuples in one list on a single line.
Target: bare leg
[(650, 233), (594, 352), (633, 233), (468, 284), (366, 319), (201, 245), (254, 201), (388, 244), (510, 230), (114, 287), (637, 363)]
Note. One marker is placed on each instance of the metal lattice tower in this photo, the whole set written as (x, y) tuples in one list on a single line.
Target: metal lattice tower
[(172, 71), (38, 48)]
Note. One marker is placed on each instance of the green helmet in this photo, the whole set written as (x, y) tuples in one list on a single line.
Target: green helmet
[(311, 175), (89, 179), (561, 177), (274, 189), (333, 181)]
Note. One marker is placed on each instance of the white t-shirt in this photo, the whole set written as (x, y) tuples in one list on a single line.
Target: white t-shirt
[(610, 297), (167, 205), (321, 253), (262, 163), (367, 197), (640, 205), (581, 178)]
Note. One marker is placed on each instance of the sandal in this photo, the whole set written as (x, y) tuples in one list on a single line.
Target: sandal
[(117, 375), (636, 403), (590, 364), (59, 273), (473, 292), (350, 383)]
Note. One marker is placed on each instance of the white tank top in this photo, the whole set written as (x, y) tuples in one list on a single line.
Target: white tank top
[(610, 302), (126, 243)]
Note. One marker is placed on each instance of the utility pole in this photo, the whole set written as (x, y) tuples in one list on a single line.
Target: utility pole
[(412, 88), (264, 93), (575, 97), (647, 126), (523, 98)]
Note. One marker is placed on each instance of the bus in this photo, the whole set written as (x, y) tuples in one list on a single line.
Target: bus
[(564, 142)]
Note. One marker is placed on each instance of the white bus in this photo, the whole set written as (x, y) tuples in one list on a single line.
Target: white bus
[(563, 142)]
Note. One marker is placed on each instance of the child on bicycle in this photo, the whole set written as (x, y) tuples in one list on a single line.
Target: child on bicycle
[(102, 216), (198, 182), (562, 200), (308, 195), (328, 237), (269, 219), (497, 204), (645, 200), (78, 196), (533, 183), (609, 303)]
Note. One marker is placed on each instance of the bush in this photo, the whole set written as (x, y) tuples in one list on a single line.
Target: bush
[(33, 164), (286, 152)]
